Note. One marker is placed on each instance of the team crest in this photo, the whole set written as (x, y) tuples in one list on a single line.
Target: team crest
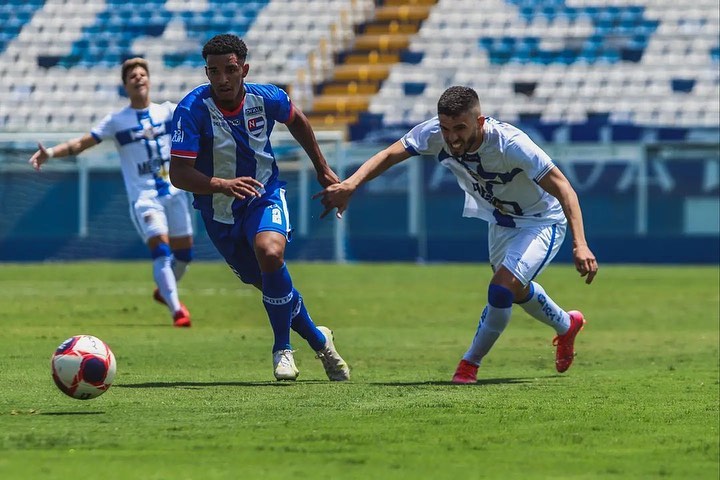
[(255, 124)]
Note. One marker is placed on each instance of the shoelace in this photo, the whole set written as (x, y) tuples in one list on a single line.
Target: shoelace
[(285, 358)]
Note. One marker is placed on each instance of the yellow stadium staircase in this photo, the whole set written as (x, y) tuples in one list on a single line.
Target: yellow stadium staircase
[(359, 72)]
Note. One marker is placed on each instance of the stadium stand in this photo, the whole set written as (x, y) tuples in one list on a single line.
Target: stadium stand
[(646, 62), (60, 51), (577, 62), (569, 72)]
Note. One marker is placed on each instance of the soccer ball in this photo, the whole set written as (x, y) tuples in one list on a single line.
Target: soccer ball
[(83, 367)]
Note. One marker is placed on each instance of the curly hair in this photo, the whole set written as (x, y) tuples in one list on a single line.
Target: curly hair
[(457, 100), (129, 64), (224, 44)]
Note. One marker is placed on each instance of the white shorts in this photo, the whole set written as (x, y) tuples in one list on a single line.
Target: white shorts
[(166, 215), (524, 251)]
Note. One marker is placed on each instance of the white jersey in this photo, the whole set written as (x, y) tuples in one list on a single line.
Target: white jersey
[(142, 138), (500, 178)]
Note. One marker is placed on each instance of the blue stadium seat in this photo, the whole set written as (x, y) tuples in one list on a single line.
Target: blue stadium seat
[(126, 20)]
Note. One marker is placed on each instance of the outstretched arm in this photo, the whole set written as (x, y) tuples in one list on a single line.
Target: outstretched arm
[(302, 131), (71, 147), (338, 195), (557, 185)]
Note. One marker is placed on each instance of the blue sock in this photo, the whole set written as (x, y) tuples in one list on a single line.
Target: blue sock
[(303, 324), (277, 293)]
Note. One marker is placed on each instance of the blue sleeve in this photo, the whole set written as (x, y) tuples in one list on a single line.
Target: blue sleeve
[(278, 104), (185, 133)]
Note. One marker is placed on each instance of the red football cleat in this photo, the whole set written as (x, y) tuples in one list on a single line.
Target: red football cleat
[(181, 318), (465, 373), (565, 353), (158, 298)]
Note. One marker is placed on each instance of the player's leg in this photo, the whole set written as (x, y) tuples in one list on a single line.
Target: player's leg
[(165, 279), (493, 320), (496, 314), (527, 255), (282, 301), (320, 339), (177, 210), (150, 221)]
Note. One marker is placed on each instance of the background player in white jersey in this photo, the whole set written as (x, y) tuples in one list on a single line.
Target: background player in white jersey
[(159, 211), (221, 151), (513, 185)]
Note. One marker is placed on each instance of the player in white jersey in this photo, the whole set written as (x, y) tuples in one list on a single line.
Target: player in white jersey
[(159, 211), (512, 184)]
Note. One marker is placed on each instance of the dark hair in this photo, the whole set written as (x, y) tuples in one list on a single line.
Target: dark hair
[(224, 44), (457, 100), (129, 64)]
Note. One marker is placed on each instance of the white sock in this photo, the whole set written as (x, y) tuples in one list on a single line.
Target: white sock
[(492, 323), (541, 307), (165, 281), (179, 267)]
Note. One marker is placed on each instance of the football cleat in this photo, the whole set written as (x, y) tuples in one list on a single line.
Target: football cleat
[(335, 367), (159, 298), (565, 352), (181, 318), (465, 373), (284, 365)]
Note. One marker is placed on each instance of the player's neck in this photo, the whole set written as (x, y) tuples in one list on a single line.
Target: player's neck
[(139, 103), (228, 107)]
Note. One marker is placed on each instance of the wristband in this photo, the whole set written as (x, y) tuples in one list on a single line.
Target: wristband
[(50, 152)]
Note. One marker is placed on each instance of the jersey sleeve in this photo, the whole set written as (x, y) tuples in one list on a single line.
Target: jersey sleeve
[(424, 139), (522, 152), (185, 133), (279, 106), (104, 129)]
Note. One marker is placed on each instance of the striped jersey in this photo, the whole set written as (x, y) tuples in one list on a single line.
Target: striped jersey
[(228, 144), (142, 138), (500, 178)]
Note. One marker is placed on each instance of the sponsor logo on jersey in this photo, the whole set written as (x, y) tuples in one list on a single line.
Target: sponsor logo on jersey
[(178, 135), (256, 124), (254, 110)]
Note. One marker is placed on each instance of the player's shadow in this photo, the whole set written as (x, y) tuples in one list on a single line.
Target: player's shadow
[(274, 383), (71, 413), (480, 382), (198, 385)]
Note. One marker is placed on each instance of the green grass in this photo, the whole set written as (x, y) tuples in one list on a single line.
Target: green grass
[(641, 400)]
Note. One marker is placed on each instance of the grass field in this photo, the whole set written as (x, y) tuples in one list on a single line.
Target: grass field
[(641, 400)]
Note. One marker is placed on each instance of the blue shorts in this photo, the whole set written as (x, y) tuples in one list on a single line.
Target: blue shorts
[(235, 242)]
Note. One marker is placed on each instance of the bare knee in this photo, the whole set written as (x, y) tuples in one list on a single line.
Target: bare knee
[(270, 250), (504, 278)]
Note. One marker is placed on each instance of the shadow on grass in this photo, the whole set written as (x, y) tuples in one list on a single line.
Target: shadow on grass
[(198, 385), (143, 325), (57, 414), (480, 382)]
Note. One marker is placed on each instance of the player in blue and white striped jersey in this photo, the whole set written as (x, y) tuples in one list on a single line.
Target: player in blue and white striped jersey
[(221, 152), (159, 211), (513, 185)]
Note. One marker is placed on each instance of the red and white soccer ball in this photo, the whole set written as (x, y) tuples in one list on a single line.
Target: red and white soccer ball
[(83, 367)]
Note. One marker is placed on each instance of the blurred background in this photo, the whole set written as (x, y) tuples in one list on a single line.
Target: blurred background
[(624, 95)]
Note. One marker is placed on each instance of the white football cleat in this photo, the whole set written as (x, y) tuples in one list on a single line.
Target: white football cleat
[(335, 367), (284, 365)]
